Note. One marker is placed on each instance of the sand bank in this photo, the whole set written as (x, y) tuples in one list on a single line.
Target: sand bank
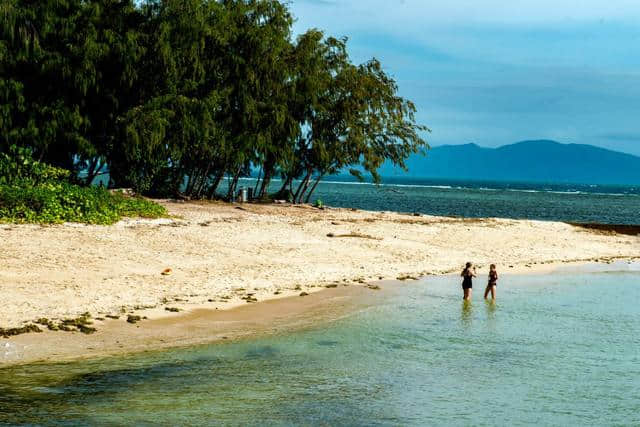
[(224, 256)]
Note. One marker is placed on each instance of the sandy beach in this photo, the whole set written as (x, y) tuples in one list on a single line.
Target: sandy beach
[(222, 256)]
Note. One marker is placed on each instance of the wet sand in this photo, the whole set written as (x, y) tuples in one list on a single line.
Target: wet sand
[(198, 326), (225, 256)]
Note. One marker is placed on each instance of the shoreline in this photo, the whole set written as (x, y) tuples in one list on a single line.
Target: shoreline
[(201, 326), (225, 257)]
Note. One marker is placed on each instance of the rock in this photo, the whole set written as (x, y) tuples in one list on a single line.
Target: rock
[(111, 316), (166, 272), (6, 333), (333, 285), (172, 309), (133, 319), (374, 287), (303, 294), (86, 329)]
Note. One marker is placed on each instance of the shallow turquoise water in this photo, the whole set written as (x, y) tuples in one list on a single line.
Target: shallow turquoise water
[(555, 350)]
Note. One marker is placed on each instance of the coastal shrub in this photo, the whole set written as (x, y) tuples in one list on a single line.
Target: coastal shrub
[(35, 192), (17, 166), (52, 203)]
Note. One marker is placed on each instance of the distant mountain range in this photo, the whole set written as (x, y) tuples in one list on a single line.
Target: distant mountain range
[(526, 161)]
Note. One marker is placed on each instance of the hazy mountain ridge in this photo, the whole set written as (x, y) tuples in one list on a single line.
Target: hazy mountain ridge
[(526, 161)]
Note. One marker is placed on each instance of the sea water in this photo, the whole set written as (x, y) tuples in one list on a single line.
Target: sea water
[(551, 202), (559, 349)]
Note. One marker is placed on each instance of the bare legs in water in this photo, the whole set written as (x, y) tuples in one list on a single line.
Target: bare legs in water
[(492, 289)]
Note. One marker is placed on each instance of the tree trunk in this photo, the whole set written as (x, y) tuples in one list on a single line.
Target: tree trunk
[(297, 198), (265, 185), (255, 189), (187, 189), (283, 190), (234, 184), (268, 168), (313, 188), (214, 185), (92, 172)]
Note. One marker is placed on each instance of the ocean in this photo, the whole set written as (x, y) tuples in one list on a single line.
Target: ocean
[(548, 202), (560, 349)]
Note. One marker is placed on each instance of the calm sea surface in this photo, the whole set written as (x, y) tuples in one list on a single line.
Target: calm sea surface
[(556, 202), (560, 349)]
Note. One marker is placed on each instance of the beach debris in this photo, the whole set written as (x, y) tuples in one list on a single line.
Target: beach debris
[(406, 277), (303, 294), (166, 272), (374, 287), (172, 309), (335, 223), (277, 292), (133, 319), (250, 298), (10, 332), (205, 224), (331, 285), (112, 316), (297, 288), (354, 234), (79, 324)]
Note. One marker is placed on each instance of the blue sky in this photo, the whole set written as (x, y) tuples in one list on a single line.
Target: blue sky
[(496, 72)]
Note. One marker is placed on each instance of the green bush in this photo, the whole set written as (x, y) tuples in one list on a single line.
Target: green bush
[(31, 191), (64, 202), (17, 166)]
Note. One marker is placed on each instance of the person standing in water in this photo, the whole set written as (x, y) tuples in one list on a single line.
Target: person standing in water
[(493, 283), (468, 274)]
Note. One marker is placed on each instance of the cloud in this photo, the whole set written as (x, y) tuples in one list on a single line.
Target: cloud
[(495, 72), (478, 11)]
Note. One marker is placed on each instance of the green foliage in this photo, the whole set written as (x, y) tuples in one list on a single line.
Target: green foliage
[(63, 202), (170, 96), (18, 167), (32, 191)]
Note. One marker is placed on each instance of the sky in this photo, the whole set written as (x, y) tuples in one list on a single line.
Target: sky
[(497, 72)]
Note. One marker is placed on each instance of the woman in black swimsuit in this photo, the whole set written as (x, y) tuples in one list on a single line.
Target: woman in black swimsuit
[(493, 283), (467, 280)]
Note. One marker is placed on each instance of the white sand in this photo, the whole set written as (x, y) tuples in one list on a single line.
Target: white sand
[(217, 250)]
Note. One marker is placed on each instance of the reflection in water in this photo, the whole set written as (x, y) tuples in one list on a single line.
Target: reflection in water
[(491, 308), (467, 312)]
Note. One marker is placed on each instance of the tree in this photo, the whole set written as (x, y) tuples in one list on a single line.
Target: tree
[(171, 96)]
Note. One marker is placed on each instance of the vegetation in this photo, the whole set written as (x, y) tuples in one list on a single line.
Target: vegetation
[(31, 191), (171, 96)]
